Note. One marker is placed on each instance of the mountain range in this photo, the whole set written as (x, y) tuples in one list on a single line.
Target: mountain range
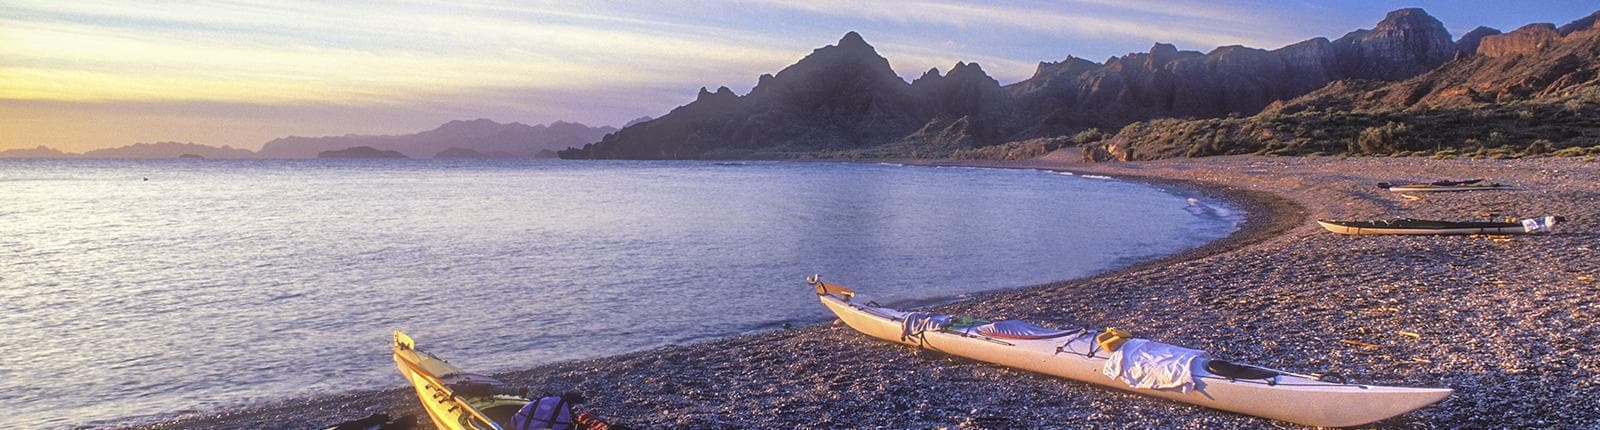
[(484, 137), (479, 138), (844, 100), (1403, 86), (1532, 91)]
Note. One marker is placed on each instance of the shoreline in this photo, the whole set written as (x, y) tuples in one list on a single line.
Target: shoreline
[(828, 375)]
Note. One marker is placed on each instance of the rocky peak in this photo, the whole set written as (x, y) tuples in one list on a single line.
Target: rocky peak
[(1406, 43), (853, 40), (1528, 39), (1163, 49), (639, 120), (1468, 43), (963, 74), (462, 124), (1411, 17), (1069, 65), (968, 71), (723, 94), (852, 62), (1580, 24), (928, 79)]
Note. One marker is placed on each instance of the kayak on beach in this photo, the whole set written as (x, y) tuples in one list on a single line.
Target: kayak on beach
[(458, 400), (1115, 359), (453, 398), (1430, 227), (1439, 186)]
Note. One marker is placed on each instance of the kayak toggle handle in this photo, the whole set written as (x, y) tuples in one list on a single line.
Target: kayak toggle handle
[(1331, 376)]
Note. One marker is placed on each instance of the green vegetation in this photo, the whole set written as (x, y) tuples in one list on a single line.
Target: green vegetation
[(1567, 128)]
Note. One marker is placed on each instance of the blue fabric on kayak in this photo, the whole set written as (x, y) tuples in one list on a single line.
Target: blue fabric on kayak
[(1016, 329), (918, 322)]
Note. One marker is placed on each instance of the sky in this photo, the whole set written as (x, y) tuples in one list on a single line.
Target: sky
[(85, 74)]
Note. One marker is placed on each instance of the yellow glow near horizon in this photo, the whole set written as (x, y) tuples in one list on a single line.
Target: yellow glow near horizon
[(75, 64)]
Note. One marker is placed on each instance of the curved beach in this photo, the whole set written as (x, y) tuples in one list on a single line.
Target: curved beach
[(1511, 325)]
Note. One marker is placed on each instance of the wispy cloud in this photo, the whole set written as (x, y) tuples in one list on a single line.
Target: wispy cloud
[(267, 55), (1198, 26)]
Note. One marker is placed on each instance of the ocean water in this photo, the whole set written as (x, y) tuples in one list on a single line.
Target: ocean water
[(137, 288)]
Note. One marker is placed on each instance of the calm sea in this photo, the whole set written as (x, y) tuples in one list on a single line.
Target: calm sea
[(132, 288)]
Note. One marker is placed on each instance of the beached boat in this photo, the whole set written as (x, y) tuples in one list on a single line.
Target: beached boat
[(1472, 185), (1313, 400), (455, 399), (1428, 227)]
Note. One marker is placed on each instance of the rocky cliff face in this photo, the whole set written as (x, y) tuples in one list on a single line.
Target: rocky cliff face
[(1169, 83), (1467, 45), (1529, 91), (1406, 43), (1530, 39), (846, 97), (1580, 24), (481, 135), (1532, 63)]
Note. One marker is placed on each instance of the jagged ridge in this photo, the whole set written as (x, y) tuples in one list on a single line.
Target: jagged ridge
[(845, 99)]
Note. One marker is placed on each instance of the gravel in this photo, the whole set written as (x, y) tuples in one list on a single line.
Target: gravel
[(1511, 325)]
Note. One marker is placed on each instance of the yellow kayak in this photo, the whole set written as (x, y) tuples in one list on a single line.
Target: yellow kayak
[(454, 398)]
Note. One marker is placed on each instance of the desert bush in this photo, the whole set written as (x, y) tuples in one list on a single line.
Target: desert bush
[(1496, 139), (1089, 136), (1573, 151), (1538, 147), (1388, 138)]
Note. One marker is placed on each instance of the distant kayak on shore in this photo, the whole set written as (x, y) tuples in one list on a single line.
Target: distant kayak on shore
[(1115, 359), (1441, 186), (1431, 227)]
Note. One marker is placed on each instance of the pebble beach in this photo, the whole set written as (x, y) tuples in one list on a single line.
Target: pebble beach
[(1510, 323)]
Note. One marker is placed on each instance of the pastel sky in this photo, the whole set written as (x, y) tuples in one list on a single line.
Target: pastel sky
[(85, 74)]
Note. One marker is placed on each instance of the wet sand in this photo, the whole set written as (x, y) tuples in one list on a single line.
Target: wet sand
[(1511, 325)]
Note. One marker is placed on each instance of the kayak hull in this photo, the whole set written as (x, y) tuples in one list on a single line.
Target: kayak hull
[(1436, 188), (426, 373), (1293, 399), (1339, 228)]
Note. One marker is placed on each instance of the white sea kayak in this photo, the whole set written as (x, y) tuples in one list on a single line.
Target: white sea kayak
[(1428, 227), (1301, 399)]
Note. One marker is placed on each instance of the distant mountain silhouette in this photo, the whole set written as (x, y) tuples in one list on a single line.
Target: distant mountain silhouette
[(845, 97), (482, 135), (484, 138), (454, 153), (40, 151), (169, 150), (361, 152), (638, 120)]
